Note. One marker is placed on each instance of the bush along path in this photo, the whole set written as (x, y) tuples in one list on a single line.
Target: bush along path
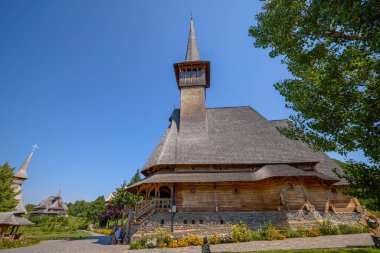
[(99, 244), (240, 233)]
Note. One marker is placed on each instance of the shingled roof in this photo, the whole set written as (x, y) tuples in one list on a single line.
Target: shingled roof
[(53, 205), (8, 218), (235, 135), (267, 171)]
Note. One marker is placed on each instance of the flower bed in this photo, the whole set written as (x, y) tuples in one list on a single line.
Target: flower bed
[(241, 233), (23, 242), (104, 231)]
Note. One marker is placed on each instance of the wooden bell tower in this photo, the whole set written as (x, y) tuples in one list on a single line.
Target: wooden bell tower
[(193, 77)]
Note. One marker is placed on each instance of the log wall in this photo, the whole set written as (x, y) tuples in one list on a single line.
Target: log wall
[(266, 195)]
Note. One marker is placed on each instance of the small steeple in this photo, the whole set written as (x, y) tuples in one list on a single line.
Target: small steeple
[(21, 173), (192, 48), (59, 193)]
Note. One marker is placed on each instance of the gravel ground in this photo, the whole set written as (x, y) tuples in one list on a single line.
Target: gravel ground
[(100, 244)]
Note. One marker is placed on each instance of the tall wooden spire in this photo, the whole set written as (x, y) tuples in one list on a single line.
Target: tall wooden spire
[(192, 48), (21, 173)]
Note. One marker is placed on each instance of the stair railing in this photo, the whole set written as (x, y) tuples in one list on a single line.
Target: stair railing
[(144, 206)]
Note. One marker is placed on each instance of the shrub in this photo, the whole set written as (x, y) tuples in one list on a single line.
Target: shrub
[(289, 233), (173, 244), (104, 231), (39, 220), (312, 232), (352, 229), (163, 238), (183, 242), (65, 222), (151, 243), (219, 238), (137, 244), (272, 233), (213, 239), (240, 233), (161, 245), (225, 238), (193, 240), (327, 228), (258, 236), (301, 231), (23, 242)]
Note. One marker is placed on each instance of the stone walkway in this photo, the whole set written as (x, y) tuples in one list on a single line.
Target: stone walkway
[(99, 244)]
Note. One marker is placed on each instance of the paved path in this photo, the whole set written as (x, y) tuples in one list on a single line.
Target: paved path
[(99, 244)]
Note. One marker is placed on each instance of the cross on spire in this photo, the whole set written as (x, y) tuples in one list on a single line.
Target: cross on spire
[(34, 147)]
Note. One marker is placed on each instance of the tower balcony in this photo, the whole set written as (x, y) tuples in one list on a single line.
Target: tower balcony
[(192, 78)]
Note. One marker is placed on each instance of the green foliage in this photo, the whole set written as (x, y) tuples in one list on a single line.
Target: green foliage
[(54, 228), (78, 208), (121, 199), (94, 209), (138, 244), (23, 242), (124, 198), (89, 212), (222, 238), (258, 236), (272, 233), (162, 239), (7, 194), (136, 178), (104, 231), (332, 50), (240, 233), (30, 207), (365, 182), (327, 228), (352, 229)]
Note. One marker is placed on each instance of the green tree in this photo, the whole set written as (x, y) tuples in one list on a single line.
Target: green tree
[(7, 194), (136, 178), (78, 208), (122, 197), (94, 209), (332, 49), (30, 207)]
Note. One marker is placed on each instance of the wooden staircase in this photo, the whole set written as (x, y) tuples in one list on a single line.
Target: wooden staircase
[(144, 209)]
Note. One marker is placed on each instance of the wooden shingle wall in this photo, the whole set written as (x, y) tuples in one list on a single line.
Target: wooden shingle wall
[(266, 195)]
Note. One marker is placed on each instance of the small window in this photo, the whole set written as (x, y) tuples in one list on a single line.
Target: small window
[(162, 221), (192, 221), (193, 190), (290, 187), (200, 221), (334, 190), (184, 221), (222, 221)]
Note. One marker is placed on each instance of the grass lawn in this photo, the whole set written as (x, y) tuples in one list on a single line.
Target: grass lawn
[(362, 250), (54, 228), (56, 235)]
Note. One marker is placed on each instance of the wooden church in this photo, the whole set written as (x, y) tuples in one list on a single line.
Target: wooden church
[(214, 167)]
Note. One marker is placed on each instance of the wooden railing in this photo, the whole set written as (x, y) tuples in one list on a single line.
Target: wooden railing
[(192, 77), (144, 206)]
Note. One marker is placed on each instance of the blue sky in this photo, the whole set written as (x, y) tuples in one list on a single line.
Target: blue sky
[(92, 83)]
